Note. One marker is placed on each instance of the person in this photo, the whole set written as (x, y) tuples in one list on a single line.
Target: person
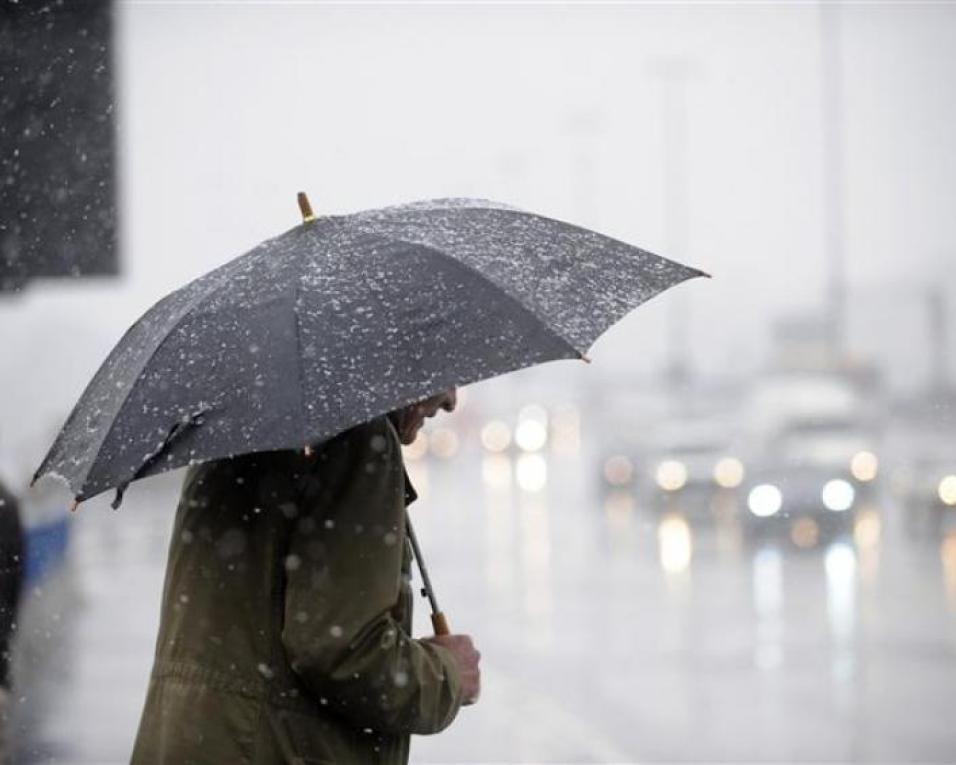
[(11, 576), (285, 631)]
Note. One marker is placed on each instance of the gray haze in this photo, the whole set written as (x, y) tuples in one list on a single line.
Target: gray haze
[(226, 110)]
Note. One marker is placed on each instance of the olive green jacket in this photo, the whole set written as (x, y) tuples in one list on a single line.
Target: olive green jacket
[(286, 619)]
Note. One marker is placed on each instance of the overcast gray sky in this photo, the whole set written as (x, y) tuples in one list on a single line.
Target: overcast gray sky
[(226, 110)]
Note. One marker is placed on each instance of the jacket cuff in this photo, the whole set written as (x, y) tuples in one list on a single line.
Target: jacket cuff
[(454, 691)]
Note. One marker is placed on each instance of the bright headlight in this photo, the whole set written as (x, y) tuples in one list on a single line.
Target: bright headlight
[(864, 466), (531, 435), (729, 473), (671, 475), (443, 443), (947, 490), (764, 500), (496, 436), (837, 495)]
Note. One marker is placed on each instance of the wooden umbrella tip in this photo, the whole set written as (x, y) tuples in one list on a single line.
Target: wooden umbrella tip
[(74, 505), (585, 359), (305, 208)]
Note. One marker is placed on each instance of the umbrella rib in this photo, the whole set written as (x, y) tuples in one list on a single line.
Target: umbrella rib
[(298, 353), (484, 277)]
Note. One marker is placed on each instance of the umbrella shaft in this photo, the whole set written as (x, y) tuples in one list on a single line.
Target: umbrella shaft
[(426, 582)]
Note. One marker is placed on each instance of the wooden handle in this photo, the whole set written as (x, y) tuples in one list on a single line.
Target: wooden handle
[(440, 624)]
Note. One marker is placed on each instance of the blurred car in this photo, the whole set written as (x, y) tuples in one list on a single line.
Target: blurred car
[(685, 463), (839, 445), (804, 502), (926, 487), (810, 481), (924, 477)]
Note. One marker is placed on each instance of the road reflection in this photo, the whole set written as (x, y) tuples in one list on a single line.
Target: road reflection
[(767, 567), (867, 535), (948, 555), (675, 544), (840, 566)]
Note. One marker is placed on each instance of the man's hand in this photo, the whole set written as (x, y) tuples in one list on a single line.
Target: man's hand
[(467, 659)]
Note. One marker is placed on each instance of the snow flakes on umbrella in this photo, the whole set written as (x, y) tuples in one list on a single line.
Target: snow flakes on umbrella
[(342, 319)]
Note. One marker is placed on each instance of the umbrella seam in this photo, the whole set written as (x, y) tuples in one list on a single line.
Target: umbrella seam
[(433, 250), (219, 283), (519, 213), (298, 352)]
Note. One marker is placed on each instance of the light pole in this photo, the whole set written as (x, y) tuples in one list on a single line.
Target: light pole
[(673, 74), (831, 71)]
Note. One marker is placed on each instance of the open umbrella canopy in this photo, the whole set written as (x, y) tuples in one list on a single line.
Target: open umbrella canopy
[(342, 319)]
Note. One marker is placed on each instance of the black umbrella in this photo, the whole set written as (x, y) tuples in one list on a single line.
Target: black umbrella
[(342, 319)]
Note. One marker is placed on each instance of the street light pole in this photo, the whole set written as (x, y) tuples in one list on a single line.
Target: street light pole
[(833, 179), (673, 74)]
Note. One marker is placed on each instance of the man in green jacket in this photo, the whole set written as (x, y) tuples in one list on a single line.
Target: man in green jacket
[(285, 634)]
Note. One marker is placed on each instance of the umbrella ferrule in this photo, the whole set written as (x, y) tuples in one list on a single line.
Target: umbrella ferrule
[(305, 208)]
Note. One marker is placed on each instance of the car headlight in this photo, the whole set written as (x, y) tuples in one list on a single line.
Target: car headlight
[(947, 490), (671, 475), (618, 470), (764, 500), (864, 466), (495, 436), (729, 473), (443, 443), (531, 435), (837, 495)]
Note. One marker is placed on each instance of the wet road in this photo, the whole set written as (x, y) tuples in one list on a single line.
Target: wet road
[(610, 632)]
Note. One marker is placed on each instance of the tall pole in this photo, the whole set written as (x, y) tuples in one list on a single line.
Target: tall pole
[(673, 75), (939, 338), (833, 179)]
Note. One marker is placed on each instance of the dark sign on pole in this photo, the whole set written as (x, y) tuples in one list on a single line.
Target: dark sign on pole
[(57, 141)]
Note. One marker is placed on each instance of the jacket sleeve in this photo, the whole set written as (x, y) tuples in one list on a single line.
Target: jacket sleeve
[(342, 580)]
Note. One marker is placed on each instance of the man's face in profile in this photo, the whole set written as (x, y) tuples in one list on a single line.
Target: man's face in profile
[(409, 419)]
